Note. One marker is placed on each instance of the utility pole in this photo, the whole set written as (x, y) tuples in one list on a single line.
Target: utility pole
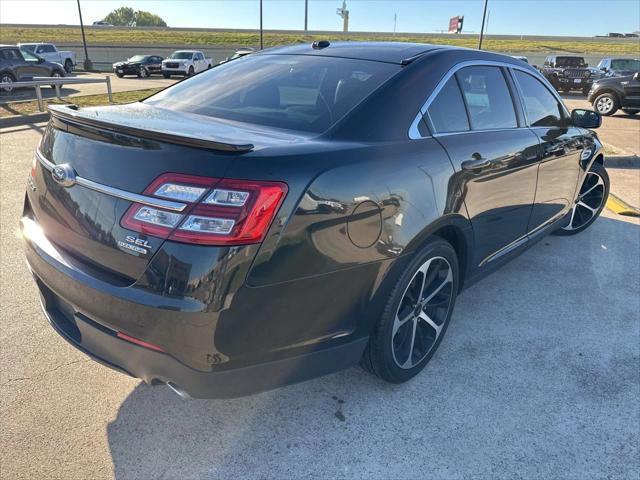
[(484, 15), (306, 15), (88, 65), (344, 13), (261, 36)]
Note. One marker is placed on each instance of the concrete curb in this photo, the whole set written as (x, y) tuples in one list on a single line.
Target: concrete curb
[(619, 206), (19, 120)]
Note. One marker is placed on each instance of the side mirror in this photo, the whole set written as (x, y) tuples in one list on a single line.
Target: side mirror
[(586, 118)]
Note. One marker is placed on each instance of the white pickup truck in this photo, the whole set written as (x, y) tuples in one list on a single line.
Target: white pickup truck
[(50, 52), (185, 62)]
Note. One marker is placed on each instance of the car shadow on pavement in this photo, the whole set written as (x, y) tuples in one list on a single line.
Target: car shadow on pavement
[(537, 377)]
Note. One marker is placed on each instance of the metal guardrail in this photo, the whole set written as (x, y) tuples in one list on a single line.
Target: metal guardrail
[(57, 82)]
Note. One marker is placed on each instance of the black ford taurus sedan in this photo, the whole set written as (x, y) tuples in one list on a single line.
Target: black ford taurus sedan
[(299, 210)]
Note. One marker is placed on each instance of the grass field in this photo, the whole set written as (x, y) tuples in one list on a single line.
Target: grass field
[(26, 108), (132, 36)]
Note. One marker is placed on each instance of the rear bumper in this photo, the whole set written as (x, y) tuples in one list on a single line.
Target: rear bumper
[(154, 367), (82, 309)]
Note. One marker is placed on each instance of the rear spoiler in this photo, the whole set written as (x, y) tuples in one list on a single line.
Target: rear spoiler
[(72, 115)]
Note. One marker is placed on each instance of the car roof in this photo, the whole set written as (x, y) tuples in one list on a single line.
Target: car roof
[(390, 52)]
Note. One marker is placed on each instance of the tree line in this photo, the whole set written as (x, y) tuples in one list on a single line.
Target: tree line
[(128, 17)]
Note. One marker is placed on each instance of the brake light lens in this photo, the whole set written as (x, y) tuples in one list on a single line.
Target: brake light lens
[(218, 212)]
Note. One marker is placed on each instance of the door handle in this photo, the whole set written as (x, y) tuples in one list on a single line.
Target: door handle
[(476, 162)]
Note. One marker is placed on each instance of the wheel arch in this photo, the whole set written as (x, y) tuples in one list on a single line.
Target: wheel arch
[(456, 230)]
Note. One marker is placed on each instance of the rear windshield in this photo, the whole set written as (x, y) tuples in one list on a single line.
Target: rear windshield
[(570, 62), (294, 92), (181, 55), (626, 64)]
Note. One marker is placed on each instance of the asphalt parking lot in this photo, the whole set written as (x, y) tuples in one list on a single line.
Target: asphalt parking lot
[(537, 377), (124, 84)]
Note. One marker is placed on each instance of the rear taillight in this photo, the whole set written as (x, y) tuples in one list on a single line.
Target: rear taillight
[(218, 212)]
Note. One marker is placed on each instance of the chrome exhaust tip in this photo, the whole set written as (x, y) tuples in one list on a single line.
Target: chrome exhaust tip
[(178, 391)]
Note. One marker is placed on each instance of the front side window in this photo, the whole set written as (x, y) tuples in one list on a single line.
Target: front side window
[(31, 48), (447, 112), (29, 57), (46, 49), (138, 58), (296, 92), (541, 107), (487, 98)]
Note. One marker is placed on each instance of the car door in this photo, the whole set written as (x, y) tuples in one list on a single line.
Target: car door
[(35, 67), (494, 155), (632, 92), (155, 64), (561, 146)]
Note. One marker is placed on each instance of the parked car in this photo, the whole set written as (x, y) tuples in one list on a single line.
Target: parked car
[(241, 52), (140, 65), (185, 62), (50, 52), (520, 57), (102, 23), (619, 67), (567, 72), (610, 94), (18, 65), (302, 210)]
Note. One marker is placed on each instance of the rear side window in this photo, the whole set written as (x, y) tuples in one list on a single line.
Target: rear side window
[(11, 54), (447, 112), (295, 92), (541, 107), (487, 97)]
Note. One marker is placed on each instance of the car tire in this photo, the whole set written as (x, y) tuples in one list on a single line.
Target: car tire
[(166, 75), (589, 202), (399, 347), (606, 104), (68, 66), (143, 72), (56, 74), (208, 66), (191, 72), (7, 78), (629, 112)]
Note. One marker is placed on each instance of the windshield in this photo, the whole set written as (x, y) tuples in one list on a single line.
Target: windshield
[(626, 64), (295, 92), (181, 55), (31, 48), (138, 58), (570, 62)]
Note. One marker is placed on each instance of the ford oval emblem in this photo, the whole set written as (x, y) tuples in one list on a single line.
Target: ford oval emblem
[(64, 175)]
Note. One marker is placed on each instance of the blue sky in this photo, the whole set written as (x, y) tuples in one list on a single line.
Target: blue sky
[(542, 17)]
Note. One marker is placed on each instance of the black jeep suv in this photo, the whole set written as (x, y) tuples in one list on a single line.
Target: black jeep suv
[(567, 73)]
